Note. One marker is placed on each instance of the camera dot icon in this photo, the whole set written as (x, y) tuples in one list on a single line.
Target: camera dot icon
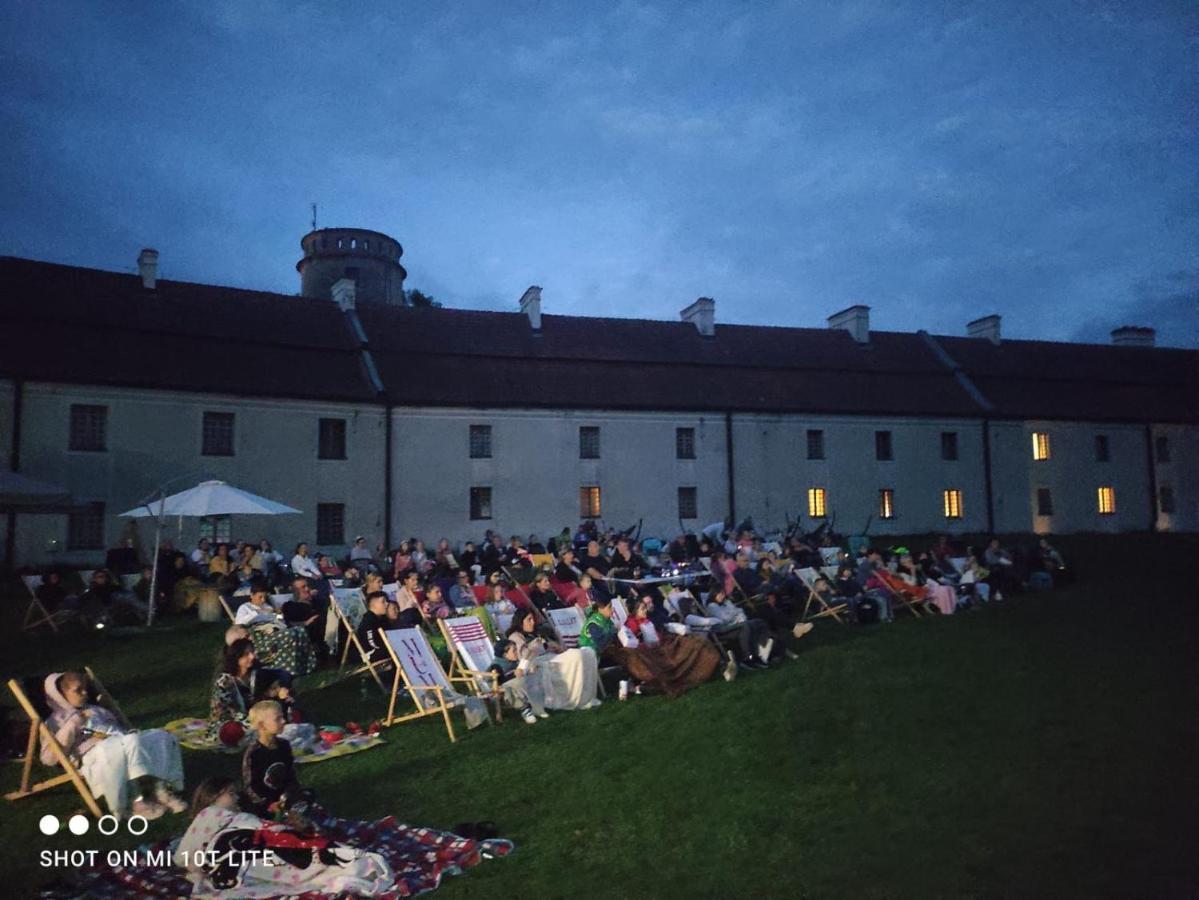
[(48, 825), (79, 824)]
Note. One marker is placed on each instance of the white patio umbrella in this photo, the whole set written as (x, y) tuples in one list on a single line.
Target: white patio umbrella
[(208, 498)]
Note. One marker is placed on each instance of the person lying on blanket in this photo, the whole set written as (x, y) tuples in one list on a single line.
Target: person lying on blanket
[(240, 684), (226, 851), (109, 756)]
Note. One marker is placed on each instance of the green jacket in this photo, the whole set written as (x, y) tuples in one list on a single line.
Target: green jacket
[(598, 632)]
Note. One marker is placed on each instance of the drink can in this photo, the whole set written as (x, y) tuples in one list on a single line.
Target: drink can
[(624, 690)]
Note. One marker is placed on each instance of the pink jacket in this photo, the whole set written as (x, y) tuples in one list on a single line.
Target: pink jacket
[(68, 723)]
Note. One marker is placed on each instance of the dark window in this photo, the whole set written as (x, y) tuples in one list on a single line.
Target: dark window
[(1165, 498), (218, 434), (949, 445), (589, 502), (331, 439), (218, 529), (886, 500), (1103, 452), (1044, 502), (684, 443), (687, 503), (85, 528), (815, 443), (330, 523), (89, 426), (480, 442), (480, 503), (1161, 447), (589, 442), (882, 445)]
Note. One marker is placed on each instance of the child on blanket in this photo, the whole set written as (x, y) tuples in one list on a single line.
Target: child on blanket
[(271, 787), (520, 680), (110, 757)]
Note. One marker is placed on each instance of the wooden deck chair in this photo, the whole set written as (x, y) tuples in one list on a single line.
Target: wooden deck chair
[(824, 609), (85, 575), (830, 555), (543, 562), (471, 652), (914, 605), (36, 613), (228, 609), (500, 621), (519, 574), (568, 625), (420, 672), (349, 606), (620, 612), (38, 730)]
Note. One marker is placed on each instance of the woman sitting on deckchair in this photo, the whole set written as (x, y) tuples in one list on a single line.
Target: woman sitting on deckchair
[(663, 661), (109, 757), (942, 596), (573, 675), (278, 645), (240, 684)]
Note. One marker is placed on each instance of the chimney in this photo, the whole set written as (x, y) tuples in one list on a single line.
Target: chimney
[(530, 305), (701, 314), (147, 267), (345, 292), (986, 327), (1133, 336), (855, 320)]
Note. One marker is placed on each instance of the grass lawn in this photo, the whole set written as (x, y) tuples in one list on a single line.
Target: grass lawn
[(1044, 746)]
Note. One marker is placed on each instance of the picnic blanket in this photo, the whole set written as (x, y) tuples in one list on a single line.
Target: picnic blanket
[(192, 734), (419, 857)]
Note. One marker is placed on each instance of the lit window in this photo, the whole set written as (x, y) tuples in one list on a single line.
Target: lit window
[(687, 503), (589, 447), (330, 523), (1040, 445), (886, 503), (1044, 502), (480, 503), (817, 503), (480, 442), (589, 501), (218, 529), (1107, 501), (815, 443), (953, 503)]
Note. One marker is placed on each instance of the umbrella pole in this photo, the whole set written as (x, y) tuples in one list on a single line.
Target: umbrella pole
[(154, 569)]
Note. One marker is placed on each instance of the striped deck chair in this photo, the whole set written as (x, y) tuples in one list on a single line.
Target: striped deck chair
[(420, 673), (568, 624), (471, 652), (36, 613), (349, 605), (807, 577)]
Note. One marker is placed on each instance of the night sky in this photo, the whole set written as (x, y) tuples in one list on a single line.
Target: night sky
[(936, 161)]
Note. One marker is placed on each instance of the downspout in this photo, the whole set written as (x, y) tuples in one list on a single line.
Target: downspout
[(1152, 478), (14, 465), (728, 456), (387, 409), (987, 476)]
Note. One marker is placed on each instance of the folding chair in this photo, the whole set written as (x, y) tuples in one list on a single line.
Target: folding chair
[(900, 591), (423, 678), (36, 613), (471, 652), (807, 577), (543, 562), (228, 609), (568, 624), (620, 612), (38, 729), (830, 555), (350, 606)]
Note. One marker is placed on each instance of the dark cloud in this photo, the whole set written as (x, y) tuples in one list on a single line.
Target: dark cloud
[(1169, 304)]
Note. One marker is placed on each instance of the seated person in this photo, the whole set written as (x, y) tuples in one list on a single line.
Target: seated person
[(583, 595), (462, 594), (753, 635), (543, 595), (625, 563), (303, 565), (220, 565), (257, 610), (670, 664), (370, 630), (268, 769), (279, 644), (520, 681), (850, 590), (567, 571), (329, 569), (595, 564), (240, 684), (599, 631), (1002, 568), (497, 600), (104, 598), (360, 554), (747, 579), (434, 605), (572, 677), (109, 757), (942, 596), (52, 595), (305, 609), (406, 602)]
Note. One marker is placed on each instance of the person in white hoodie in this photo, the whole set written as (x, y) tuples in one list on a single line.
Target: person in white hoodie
[(111, 757), (752, 634)]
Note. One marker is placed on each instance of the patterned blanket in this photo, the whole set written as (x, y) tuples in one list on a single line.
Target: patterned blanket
[(419, 857), (191, 733)]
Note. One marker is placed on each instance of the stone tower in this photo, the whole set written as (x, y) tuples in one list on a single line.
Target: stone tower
[(371, 259)]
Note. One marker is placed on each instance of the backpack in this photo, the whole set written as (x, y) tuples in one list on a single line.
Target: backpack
[(867, 610)]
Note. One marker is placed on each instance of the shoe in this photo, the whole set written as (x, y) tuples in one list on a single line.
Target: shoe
[(375, 727), (148, 809), (997, 596), (802, 628), (353, 728), (543, 715), (791, 654), (593, 704), (767, 649), (164, 796), (730, 669), (528, 716)]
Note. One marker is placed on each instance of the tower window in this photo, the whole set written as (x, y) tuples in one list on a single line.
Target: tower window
[(684, 443), (589, 443), (480, 442), (480, 503), (1103, 452), (217, 434), (687, 503), (89, 425)]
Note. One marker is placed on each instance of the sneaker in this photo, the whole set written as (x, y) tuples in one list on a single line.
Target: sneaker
[(529, 717), (791, 654), (730, 669), (543, 715), (593, 704), (802, 628), (766, 650), (164, 796), (148, 809)]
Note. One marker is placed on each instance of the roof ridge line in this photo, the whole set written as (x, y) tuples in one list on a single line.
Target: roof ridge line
[(961, 377)]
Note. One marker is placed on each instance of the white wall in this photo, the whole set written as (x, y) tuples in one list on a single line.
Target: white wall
[(1182, 474)]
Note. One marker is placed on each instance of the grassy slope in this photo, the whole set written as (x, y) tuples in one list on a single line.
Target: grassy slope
[(1043, 746)]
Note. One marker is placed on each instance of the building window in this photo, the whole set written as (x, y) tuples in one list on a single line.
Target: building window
[(1107, 501), (949, 445), (480, 442), (886, 502), (1161, 448), (331, 439), (330, 523), (589, 442), (589, 502), (953, 503), (89, 427), (85, 528), (815, 443), (684, 443), (218, 434), (1103, 451), (882, 445), (1044, 502), (1165, 498), (480, 503), (1040, 445), (218, 529), (687, 503), (817, 505)]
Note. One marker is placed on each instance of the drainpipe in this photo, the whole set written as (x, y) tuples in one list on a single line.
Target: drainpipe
[(987, 476), (387, 408), (728, 456), (14, 464), (1152, 478)]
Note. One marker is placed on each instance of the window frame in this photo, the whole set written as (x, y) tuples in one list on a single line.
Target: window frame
[(690, 509), (884, 446), (483, 445), (479, 503), (817, 503), (96, 519), (76, 442), (816, 447), (1044, 497), (586, 432), (322, 439), (323, 538), (1103, 448), (213, 415), (587, 508), (950, 450), (1164, 492), (217, 529), (886, 503), (1105, 500), (1041, 450), (684, 442), (952, 503)]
